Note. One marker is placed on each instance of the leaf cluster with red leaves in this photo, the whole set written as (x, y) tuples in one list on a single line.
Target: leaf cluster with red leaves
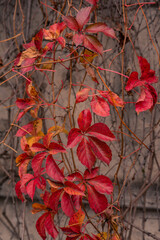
[(38, 167), (148, 96)]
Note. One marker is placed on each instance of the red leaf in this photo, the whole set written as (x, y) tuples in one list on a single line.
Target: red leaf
[(53, 170), (37, 147), (27, 65), (71, 22), (147, 74), (93, 2), (83, 16), (54, 31), (38, 39), (70, 233), (145, 101), (24, 103), (40, 182), (91, 73), (23, 167), (144, 65), (18, 191), (153, 93), (78, 218), (37, 207), (37, 162), (47, 139), (85, 154), (67, 204), (82, 95), (133, 81), (97, 201), (54, 200), (74, 177), (61, 41), (74, 137), (91, 174), (93, 44), (28, 128), (100, 106), (40, 225), (100, 149), (113, 98), (77, 200), (78, 39), (84, 120), (101, 27), (21, 158), (73, 189), (102, 184), (101, 131), (50, 227), (21, 114), (31, 189), (26, 178), (55, 148)]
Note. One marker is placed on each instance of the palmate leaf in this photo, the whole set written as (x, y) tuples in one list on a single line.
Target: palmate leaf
[(148, 95), (93, 147)]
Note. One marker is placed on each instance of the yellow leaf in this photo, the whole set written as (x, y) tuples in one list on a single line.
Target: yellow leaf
[(102, 235), (37, 207), (33, 139), (48, 65), (57, 129), (37, 125), (31, 91), (88, 55)]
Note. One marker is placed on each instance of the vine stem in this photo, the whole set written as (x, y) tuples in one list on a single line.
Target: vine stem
[(108, 70), (149, 31)]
